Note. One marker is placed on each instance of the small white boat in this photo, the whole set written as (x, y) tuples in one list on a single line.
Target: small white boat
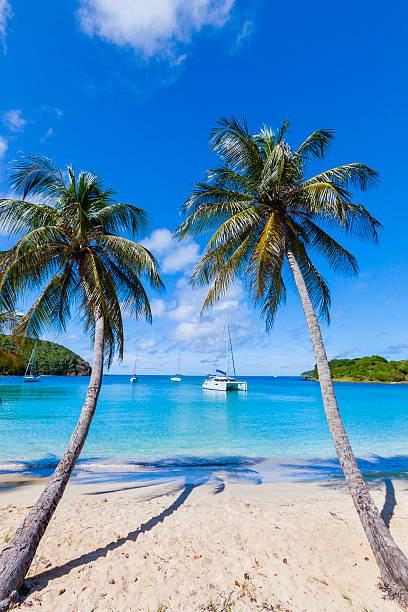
[(222, 381), (29, 375), (134, 378), (177, 377)]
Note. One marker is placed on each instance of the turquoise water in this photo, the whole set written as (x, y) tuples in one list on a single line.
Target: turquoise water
[(279, 420)]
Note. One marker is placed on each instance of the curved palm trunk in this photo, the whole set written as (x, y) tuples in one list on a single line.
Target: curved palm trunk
[(391, 561), (17, 555)]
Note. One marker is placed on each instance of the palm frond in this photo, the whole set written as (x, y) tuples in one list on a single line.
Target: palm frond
[(71, 255), (237, 147), (316, 144), (40, 176), (347, 176), (17, 216), (317, 287), (119, 217), (319, 240)]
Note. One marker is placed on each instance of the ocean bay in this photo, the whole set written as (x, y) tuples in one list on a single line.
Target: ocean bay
[(157, 423)]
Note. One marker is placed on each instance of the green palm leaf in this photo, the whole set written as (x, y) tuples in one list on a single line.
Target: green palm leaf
[(259, 204), (71, 253)]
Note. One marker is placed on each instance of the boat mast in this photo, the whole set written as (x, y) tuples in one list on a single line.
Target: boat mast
[(178, 364), (232, 352), (134, 369), (228, 342), (31, 360)]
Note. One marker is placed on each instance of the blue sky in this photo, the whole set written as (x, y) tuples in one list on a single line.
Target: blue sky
[(131, 90)]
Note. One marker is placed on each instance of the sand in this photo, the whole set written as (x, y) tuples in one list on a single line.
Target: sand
[(221, 547)]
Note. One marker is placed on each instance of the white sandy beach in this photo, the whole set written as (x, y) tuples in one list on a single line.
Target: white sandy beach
[(281, 546)]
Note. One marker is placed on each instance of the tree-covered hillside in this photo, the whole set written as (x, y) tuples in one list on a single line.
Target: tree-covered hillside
[(366, 369), (50, 358)]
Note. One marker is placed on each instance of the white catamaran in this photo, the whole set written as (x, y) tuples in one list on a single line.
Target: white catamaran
[(177, 377), (222, 381), (30, 375), (134, 378)]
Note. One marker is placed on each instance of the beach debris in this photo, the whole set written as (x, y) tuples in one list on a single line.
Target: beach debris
[(61, 591), (366, 559), (197, 557), (348, 599), (111, 581), (321, 580), (248, 587), (334, 515), (8, 536), (41, 560), (285, 561)]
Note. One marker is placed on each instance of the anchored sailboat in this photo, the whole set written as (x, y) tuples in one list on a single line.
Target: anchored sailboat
[(177, 377), (134, 378), (222, 381), (30, 375)]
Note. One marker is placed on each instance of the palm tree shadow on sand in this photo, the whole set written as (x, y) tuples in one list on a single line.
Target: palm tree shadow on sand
[(214, 475), (377, 471)]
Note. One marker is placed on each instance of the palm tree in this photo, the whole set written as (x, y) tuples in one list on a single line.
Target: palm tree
[(267, 217), (7, 358), (72, 255)]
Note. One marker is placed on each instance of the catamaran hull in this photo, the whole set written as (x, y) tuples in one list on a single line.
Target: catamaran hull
[(32, 379), (221, 385)]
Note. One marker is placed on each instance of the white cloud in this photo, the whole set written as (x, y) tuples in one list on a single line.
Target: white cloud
[(158, 308), (245, 33), (204, 333), (174, 256), (182, 256), (151, 27), (3, 146), (14, 121), (159, 241), (5, 15), (145, 345), (47, 134), (182, 312), (51, 109)]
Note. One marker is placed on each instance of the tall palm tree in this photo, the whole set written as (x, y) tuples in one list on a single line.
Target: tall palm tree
[(267, 218), (72, 256)]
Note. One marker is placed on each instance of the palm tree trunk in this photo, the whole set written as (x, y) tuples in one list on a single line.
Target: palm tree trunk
[(17, 555), (391, 561)]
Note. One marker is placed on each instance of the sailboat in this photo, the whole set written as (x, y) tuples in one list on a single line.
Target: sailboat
[(177, 377), (134, 378), (29, 375), (223, 381)]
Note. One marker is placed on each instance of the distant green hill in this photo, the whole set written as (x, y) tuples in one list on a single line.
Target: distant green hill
[(50, 358), (366, 369)]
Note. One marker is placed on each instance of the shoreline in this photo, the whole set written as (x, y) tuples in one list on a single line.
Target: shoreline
[(362, 382), (240, 469), (127, 547)]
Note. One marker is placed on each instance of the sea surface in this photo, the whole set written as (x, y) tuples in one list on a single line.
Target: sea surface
[(277, 430)]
